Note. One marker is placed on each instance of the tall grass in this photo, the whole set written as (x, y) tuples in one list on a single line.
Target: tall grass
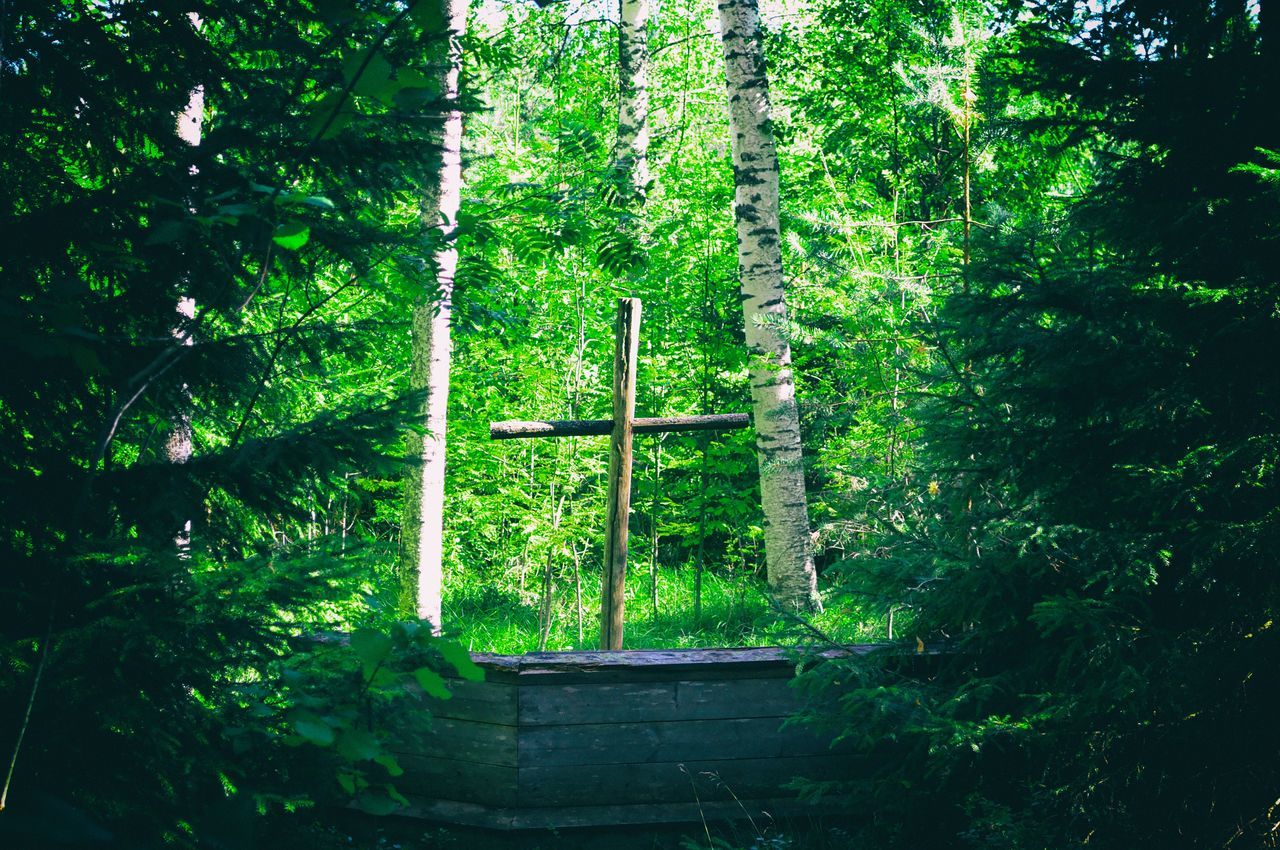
[(501, 616)]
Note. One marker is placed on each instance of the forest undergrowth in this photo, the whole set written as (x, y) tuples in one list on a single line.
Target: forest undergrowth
[(735, 611)]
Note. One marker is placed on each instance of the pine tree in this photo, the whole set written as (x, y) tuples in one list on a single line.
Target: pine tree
[(1094, 557)]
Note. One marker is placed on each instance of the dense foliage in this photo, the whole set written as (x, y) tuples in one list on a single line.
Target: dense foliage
[(1032, 262), (1096, 553), (148, 679)]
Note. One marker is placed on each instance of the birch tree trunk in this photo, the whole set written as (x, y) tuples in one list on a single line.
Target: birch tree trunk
[(422, 530), (179, 441), (792, 577), (633, 95)]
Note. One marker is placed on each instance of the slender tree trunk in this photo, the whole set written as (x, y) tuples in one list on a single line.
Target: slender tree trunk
[(422, 537), (633, 96), (792, 577), (577, 589), (653, 521), (178, 444)]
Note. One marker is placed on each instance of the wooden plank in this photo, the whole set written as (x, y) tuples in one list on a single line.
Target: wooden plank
[(458, 812), (449, 779), (516, 429), (707, 422), (672, 782), (630, 702), (761, 811), (665, 665), (626, 350), (691, 740), (459, 740), (484, 702), (567, 817)]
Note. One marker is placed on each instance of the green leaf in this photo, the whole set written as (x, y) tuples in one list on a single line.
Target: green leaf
[(291, 236), (312, 728), (318, 201), (359, 745), (379, 805), (370, 76), (429, 14), (413, 98), (166, 232), (384, 678), (371, 646), (432, 682), (389, 762), (237, 210), (457, 655), (348, 782), (336, 11), (321, 112)]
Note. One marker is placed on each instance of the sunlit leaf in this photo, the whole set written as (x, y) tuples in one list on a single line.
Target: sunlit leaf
[(292, 235), (457, 655)]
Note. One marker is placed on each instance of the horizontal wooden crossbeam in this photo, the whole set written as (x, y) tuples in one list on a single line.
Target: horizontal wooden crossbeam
[(515, 430)]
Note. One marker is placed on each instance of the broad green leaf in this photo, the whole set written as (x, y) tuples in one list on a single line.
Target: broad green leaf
[(359, 745), (166, 232), (384, 678), (388, 761), (432, 682), (371, 646), (292, 235), (379, 805), (348, 782), (324, 123), (370, 75), (318, 201), (336, 11), (412, 98), (429, 14), (312, 728), (457, 655), (237, 210)]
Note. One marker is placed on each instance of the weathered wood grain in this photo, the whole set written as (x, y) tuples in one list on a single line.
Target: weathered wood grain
[(483, 702), (448, 779), (648, 665), (671, 782), (693, 740), (459, 740), (567, 817), (516, 429), (605, 737), (618, 510), (657, 701)]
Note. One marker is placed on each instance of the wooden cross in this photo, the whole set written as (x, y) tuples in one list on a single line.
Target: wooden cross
[(621, 428)]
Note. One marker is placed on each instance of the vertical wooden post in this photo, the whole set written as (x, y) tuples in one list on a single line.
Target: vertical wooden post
[(626, 348)]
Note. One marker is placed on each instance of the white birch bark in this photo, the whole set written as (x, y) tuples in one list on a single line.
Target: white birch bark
[(179, 442), (792, 577), (422, 531), (633, 96)]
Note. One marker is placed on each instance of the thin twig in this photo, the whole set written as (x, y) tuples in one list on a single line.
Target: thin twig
[(26, 717)]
